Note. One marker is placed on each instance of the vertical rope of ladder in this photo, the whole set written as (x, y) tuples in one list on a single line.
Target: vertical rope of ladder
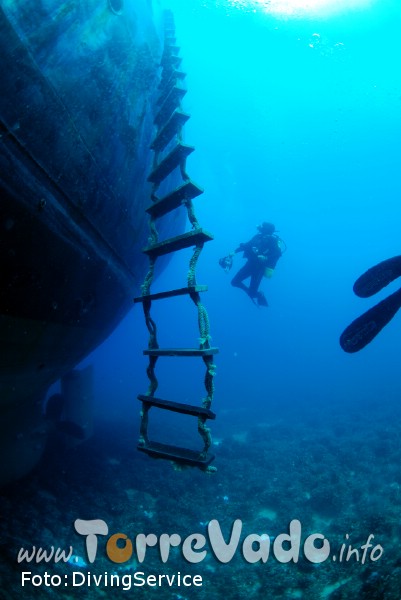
[(152, 342), (204, 342)]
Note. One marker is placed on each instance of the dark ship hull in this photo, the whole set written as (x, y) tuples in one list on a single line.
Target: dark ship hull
[(76, 119)]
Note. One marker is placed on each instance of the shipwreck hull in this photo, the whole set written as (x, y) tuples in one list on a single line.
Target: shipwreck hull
[(76, 121)]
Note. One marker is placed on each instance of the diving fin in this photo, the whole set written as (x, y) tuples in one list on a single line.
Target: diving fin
[(378, 277), (366, 327), (258, 300), (261, 299)]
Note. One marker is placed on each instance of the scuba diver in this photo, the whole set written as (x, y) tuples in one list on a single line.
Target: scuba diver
[(261, 253)]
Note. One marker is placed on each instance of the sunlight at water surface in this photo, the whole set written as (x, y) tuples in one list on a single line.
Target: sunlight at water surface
[(298, 8)]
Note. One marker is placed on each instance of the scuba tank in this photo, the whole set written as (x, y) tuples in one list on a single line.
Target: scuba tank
[(268, 272)]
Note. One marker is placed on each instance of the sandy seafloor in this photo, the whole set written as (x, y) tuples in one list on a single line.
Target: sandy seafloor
[(338, 474)]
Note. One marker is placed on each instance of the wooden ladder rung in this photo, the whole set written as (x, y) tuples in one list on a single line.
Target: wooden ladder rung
[(168, 89), (180, 351), (170, 101), (171, 47), (170, 129), (170, 57), (170, 162), (193, 289), (186, 191), (180, 455), (169, 68), (167, 78), (178, 407), (186, 240)]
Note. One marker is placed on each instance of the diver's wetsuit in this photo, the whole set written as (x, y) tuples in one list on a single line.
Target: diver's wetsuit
[(260, 245)]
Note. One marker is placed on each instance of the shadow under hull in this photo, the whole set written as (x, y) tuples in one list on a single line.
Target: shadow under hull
[(76, 122)]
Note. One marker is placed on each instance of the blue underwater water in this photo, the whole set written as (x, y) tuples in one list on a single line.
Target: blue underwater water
[(296, 120)]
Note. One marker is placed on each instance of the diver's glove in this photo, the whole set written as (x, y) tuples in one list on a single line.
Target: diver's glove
[(226, 262)]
